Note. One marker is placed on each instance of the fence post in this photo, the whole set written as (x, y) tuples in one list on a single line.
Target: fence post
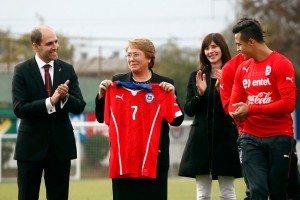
[(78, 160), (0, 158)]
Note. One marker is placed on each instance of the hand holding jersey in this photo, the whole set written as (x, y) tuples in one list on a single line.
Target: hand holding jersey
[(104, 85), (134, 113)]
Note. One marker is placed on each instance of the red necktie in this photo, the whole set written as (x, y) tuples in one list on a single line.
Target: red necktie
[(48, 83)]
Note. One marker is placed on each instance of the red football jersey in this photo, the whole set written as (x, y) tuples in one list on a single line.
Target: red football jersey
[(134, 118), (227, 79), (270, 89), (226, 84)]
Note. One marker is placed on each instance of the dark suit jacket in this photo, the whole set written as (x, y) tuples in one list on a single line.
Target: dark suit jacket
[(37, 127), (163, 157)]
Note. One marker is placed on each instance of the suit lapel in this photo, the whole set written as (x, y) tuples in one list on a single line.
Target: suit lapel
[(57, 75), (36, 75)]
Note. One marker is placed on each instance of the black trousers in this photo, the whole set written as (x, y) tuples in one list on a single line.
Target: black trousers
[(294, 178), (141, 188), (265, 163), (56, 176)]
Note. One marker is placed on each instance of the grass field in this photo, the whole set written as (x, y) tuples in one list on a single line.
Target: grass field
[(95, 189)]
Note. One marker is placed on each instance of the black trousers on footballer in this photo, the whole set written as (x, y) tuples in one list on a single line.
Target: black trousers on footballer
[(293, 189), (265, 163)]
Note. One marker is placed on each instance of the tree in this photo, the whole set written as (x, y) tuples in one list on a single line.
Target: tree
[(177, 63), (14, 50), (5, 44), (281, 22)]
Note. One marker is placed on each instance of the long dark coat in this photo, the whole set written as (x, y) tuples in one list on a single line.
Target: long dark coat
[(211, 147)]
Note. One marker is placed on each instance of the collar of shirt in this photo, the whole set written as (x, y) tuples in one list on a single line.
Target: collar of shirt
[(41, 64)]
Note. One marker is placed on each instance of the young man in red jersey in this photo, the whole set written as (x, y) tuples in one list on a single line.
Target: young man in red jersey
[(266, 79)]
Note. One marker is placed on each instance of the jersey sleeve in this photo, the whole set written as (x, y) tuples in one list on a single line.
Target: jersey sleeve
[(226, 83), (227, 79), (169, 106), (238, 93), (287, 91)]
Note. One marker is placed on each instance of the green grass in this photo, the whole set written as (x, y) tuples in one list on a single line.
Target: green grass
[(95, 189)]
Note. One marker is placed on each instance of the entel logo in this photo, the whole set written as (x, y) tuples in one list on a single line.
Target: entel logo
[(261, 82)]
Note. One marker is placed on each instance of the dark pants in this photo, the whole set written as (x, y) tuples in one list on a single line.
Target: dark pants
[(293, 189), (265, 163), (56, 175), (294, 178), (141, 188)]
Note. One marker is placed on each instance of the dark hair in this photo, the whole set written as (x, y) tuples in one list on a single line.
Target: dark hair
[(36, 36), (249, 28), (144, 45), (220, 41)]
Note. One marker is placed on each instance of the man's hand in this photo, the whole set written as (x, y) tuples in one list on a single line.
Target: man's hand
[(55, 98), (60, 93), (63, 89), (241, 112)]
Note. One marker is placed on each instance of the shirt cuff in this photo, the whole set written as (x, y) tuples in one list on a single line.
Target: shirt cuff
[(64, 101), (49, 106)]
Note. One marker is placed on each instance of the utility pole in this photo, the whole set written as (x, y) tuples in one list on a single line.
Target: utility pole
[(40, 18), (100, 61), (8, 51)]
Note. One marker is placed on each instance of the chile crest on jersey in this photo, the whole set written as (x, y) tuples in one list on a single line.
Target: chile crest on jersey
[(149, 97), (268, 70)]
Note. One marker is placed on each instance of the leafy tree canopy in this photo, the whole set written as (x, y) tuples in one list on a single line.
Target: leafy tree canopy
[(281, 23), (177, 63), (14, 50)]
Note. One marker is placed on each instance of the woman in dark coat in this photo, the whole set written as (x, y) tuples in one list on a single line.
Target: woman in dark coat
[(140, 55), (211, 151)]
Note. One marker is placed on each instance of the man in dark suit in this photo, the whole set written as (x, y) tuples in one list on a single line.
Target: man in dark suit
[(45, 141)]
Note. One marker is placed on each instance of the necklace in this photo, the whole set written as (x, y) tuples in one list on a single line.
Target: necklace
[(144, 82)]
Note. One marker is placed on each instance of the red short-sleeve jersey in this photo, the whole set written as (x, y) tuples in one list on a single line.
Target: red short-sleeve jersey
[(134, 117)]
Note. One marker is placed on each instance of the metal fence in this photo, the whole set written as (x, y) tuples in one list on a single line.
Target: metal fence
[(92, 151)]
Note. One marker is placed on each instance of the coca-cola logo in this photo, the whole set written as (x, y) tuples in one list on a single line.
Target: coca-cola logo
[(260, 98)]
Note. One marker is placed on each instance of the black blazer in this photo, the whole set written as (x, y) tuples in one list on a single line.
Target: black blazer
[(38, 128), (163, 157)]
